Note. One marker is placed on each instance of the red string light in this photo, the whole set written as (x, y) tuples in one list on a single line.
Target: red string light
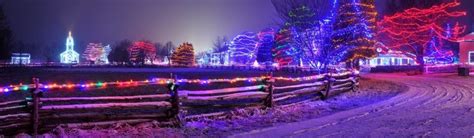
[(413, 29)]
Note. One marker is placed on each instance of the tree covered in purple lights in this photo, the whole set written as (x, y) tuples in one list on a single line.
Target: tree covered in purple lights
[(242, 49)]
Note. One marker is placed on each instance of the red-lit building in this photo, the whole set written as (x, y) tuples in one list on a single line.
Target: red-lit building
[(466, 49)]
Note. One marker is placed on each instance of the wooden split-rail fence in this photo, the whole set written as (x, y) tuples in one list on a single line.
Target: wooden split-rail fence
[(38, 114)]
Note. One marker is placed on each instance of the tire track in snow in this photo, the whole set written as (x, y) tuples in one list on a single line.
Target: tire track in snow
[(434, 105)]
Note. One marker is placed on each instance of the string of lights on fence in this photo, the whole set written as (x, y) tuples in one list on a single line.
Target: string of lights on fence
[(158, 81)]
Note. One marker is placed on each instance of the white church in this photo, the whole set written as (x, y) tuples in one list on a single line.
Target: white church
[(69, 56)]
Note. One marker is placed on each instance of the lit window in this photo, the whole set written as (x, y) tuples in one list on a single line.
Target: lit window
[(471, 57)]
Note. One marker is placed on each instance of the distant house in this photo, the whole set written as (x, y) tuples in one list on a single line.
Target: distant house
[(20, 58), (388, 57), (466, 49)]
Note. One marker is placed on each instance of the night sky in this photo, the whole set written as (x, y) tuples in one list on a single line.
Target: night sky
[(46, 22)]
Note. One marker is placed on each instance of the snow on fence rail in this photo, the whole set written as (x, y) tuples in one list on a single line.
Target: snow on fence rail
[(41, 114)]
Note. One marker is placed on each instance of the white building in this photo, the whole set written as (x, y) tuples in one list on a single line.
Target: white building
[(391, 60), (388, 57), (220, 59), (20, 58), (69, 56)]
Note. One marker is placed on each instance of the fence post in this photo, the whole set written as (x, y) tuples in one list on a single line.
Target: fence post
[(355, 79), (329, 80), (173, 90), (36, 94), (269, 84)]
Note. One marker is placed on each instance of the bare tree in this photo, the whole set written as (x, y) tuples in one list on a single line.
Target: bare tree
[(220, 44), (169, 48), (119, 53)]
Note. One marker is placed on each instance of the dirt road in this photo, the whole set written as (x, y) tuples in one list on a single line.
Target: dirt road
[(439, 105)]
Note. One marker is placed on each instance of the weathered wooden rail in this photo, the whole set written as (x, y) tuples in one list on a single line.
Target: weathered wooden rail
[(42, 114)]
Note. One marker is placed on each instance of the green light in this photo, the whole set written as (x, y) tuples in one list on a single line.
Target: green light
[(261, 87), (99, 84), (24, 87)]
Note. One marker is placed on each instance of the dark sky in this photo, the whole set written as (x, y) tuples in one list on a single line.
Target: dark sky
[(108, 21), (46, 22)]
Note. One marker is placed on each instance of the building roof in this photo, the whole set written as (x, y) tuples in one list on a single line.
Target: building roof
[(467, 38)]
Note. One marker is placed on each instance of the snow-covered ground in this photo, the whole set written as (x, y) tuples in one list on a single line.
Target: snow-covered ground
[(254, 118), (388, 105), (436, 105)]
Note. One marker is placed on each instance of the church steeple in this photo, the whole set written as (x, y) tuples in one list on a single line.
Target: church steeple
[(69, 42), (69, 56)]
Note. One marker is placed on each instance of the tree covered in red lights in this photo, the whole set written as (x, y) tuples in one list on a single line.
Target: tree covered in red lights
[(412, 30), (183, 55), (142, 52)]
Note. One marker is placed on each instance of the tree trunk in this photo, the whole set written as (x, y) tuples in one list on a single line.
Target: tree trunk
[(419, 59), (356, 64), (349, 64), (421, 63)]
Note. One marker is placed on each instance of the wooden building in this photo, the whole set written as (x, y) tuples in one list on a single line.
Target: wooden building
[(466, 49)]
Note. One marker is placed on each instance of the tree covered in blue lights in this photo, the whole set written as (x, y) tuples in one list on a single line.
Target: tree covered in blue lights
[(306, 20), (354, 29), (302, 19), (242, 49)]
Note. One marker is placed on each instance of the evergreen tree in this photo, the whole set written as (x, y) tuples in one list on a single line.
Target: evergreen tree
[(354, 29), (183, 55), (284, 51), (266, 39)]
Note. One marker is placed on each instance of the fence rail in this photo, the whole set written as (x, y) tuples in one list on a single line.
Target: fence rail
[(42, 114)]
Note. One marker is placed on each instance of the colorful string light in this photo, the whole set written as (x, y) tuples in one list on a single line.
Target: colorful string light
[(264, 46), (162, 81), (284, 53)]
